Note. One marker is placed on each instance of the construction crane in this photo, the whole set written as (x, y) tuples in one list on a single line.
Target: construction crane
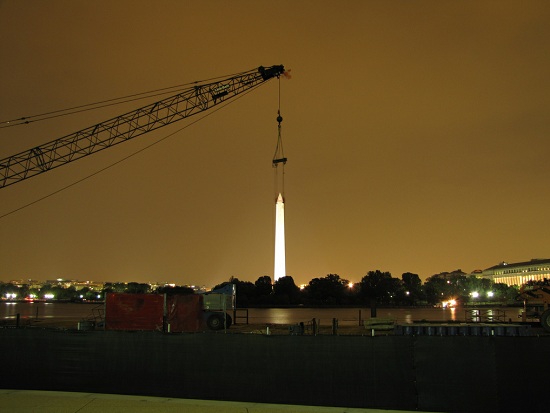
[(191, 101)]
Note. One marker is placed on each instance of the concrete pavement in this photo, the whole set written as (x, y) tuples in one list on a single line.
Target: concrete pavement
[(30, 401)]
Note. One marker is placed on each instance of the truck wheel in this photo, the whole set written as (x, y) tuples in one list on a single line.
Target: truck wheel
[(545, 320), (215, 321)]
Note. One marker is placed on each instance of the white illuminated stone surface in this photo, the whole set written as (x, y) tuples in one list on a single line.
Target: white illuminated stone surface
[(280, 262)]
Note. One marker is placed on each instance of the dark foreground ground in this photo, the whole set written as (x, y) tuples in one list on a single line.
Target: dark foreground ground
[(24, 401), (348, 371)]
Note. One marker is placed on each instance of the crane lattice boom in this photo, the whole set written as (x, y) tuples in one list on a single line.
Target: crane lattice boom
[(93, 139)]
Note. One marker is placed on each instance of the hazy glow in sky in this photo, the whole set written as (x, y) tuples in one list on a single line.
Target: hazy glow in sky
[(416, 132)]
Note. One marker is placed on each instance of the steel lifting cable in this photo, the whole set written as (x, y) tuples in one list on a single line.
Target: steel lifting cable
[(131, 155), (279, 156), (280, 141), (274, 164), (275, 183), (25, 120)]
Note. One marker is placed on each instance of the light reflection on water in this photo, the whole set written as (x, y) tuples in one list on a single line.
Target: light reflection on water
[(352, 316), (453, 313), (30, 310), (288, 316)]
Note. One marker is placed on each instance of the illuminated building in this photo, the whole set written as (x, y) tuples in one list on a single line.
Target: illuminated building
[(519, 273)]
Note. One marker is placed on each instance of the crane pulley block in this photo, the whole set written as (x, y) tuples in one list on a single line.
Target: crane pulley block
[(270, 72)]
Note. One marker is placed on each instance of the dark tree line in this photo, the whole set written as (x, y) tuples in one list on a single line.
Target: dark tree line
[(375, 288), (58, 292)]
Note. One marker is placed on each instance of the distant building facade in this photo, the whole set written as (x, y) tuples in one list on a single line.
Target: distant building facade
[(519, 273)]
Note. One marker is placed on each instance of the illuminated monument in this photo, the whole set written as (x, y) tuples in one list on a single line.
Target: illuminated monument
[(280, 260), (279, 159)]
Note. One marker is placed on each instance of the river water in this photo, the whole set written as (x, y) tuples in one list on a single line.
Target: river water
[(287, 316), (353, 316), (42, 310)]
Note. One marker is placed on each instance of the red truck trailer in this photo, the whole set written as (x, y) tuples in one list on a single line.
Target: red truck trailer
[(170, 313)]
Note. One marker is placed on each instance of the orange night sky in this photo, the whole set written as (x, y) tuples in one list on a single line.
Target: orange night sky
[(417, 138)]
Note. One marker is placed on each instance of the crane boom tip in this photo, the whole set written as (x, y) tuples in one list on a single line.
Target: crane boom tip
[(270, 72)]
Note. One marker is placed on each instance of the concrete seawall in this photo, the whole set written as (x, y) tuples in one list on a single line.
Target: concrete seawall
[(459, 374)]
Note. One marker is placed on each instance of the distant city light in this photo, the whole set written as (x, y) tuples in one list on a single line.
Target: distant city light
[(48, 296), (490, 294), (350, 285), (448, 304), (475, 294)]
